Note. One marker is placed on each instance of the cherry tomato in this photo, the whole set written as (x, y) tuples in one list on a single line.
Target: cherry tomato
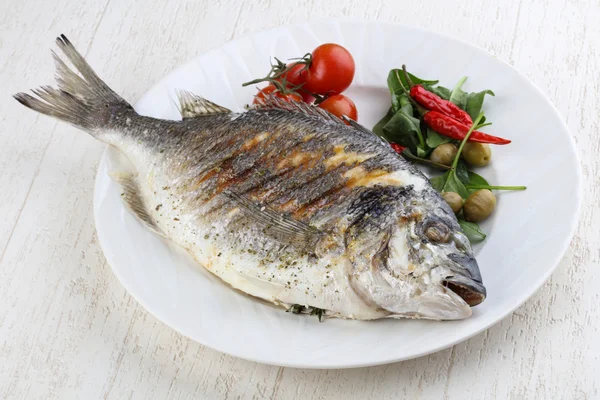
[(271, 89), (331, 70), (339, 105), (295, 75), (307, 97), (397, 148)]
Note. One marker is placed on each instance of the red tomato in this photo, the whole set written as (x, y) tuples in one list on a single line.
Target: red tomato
[(307, 97), (271, 89), (339, 105), (397, 148), (295, 75), (331, 70)]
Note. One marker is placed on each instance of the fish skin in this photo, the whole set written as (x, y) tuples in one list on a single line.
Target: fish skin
[(283, 202)]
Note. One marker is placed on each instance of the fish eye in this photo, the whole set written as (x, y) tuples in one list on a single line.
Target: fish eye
[(438, 233)]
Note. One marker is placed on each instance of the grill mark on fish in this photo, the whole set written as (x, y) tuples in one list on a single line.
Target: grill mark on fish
[(297, 169), (347, 158), (265, 155), (359, 176), (279, 187), (209, 161), (323, 201), (300, 160), (249, 178), (222, 169), (252, 142), (326, 185), (242, 182)]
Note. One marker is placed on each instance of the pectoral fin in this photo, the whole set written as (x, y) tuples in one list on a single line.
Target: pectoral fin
[(279, 226), (132, 196)]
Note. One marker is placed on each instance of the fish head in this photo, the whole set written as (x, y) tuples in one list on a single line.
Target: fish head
[(418, 265)]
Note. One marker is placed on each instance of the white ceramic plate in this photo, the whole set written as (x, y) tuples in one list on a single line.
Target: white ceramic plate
[(530, 230)]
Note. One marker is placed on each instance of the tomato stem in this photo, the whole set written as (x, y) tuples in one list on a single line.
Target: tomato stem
[(277, 77), (306, 60), (277, 70)]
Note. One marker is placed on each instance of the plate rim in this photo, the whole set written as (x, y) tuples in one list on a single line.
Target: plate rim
[(526, 295)]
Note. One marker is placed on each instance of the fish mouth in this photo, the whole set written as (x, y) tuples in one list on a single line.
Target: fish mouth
[(466, 280), (471, 291)]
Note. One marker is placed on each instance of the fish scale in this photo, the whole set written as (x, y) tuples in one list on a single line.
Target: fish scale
[(284, 202)]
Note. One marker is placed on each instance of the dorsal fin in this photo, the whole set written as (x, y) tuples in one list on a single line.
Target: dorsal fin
[(361, 128), (192, 106), (271, 102)]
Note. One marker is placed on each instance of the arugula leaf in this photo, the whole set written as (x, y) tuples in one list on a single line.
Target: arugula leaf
[(458, 96), (449, 183), (453, 184), (403, 130), (319, 312), (396, 102), (434, 139), (462, 173), (471, 230), (478, 127), (421, 152), (438, 182), (441, 91), (474, 103), (477, 182), (482, 122), (395, 81), (476, 179), (406, 106), (378, 128), (397, 75), (295, 308)]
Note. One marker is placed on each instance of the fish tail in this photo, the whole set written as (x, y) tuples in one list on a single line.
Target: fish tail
[(82, 100)]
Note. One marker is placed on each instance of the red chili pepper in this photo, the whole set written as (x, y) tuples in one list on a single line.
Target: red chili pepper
[(445, 125), (433, 102), (397, 148)]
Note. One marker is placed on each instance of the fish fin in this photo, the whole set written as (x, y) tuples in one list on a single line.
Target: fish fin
[(82, 100), (281, 227), (132, 197), (271, 102), (192, 106), (363, 129)]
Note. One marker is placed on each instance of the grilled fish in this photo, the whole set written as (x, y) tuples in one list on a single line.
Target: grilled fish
[(284, 202)]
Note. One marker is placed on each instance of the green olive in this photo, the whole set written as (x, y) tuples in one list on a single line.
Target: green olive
[(479, 205), (454, 200), (477, 154), (444, 154)]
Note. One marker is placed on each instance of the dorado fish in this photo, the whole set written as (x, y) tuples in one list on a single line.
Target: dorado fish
[(284, 202)]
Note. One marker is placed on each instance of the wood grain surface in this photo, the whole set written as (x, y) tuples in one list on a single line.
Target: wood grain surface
[(68, 329)]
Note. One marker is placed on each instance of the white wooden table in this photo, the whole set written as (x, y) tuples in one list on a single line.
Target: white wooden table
[(69, 330)]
